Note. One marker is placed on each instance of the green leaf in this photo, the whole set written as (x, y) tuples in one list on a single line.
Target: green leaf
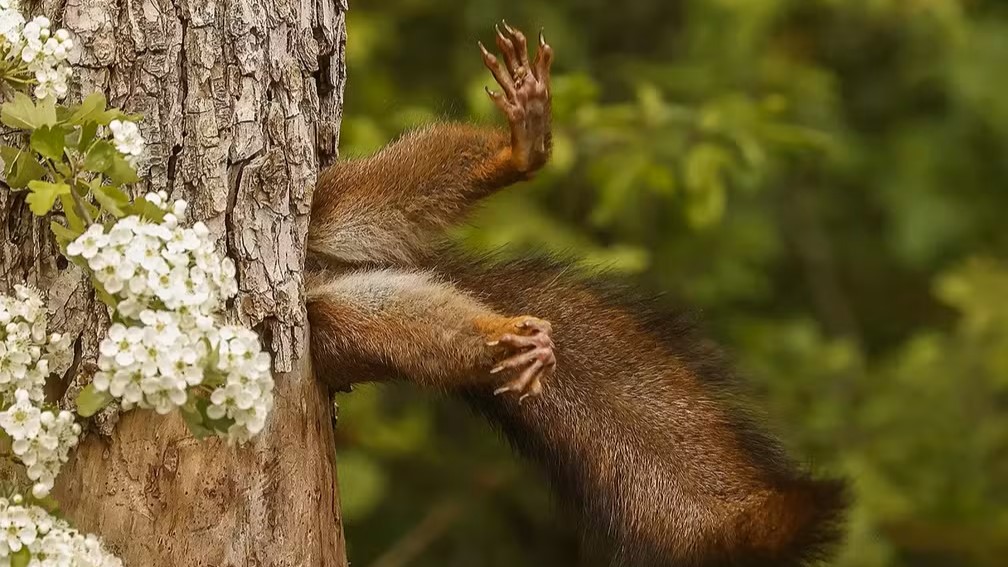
[(62, 168), (63, 234), (120, 171), (70, 210), (91, 109), (20, 558), (111, 198), (100, 156), (194, 420), (20, 113), (143, 209), (104, 296), (90, 401), (47, 503), (87, 135), (26, 169), (194, 412), (220, 425), (46, 111), (94, 110), (9, 155), (23, 114), (43, 195), (74, 222), (49, 141)]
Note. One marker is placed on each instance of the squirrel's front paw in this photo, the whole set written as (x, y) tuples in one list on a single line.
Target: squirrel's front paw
[(529, 344), (525, 99)]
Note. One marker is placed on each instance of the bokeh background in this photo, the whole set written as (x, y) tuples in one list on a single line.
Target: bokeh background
[(825, 179)]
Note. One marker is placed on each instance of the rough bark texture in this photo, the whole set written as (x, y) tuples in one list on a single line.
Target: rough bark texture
[(242, 102)]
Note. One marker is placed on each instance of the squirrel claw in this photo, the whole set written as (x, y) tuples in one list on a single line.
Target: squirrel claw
[(525, 95), (527, 384), (532, 354)]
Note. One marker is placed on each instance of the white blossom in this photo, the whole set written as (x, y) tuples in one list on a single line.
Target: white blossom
[(246, 396), (35, 33), (28, 354), (170, 285), (11, 23), (41, 440), (127, 139), (22, 420), (88, 244), (155, 362), (148, 265), (41, 50), (52, 81), (50, 541)]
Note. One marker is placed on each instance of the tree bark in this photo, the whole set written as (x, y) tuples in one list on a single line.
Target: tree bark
[(241, 102)]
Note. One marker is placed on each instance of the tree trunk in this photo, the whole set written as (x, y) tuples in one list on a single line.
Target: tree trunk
[(241, 102)]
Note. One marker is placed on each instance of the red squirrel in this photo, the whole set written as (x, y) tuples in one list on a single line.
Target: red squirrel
[(627, 410)]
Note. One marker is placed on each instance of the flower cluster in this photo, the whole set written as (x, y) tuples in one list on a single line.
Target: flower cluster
[(11, 23), (49, 541), (127, 139), (28, 355), (167, 349), (43, 51), (245, 393), (146, 265), (41, 439), (152, 365)]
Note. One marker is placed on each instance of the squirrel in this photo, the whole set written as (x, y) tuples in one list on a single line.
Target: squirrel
[(630, 412)]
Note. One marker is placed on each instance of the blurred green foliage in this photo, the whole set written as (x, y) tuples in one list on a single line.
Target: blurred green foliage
[(824, 178)]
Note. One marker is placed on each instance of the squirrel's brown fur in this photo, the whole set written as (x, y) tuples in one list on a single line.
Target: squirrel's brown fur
[(639, 430), (630, 413)]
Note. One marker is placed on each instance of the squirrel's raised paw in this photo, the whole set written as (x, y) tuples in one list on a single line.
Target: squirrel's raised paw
[(530, 349), (525, 96)]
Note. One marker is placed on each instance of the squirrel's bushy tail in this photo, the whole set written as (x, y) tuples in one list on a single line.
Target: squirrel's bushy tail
[(642, 436), (797, 523)]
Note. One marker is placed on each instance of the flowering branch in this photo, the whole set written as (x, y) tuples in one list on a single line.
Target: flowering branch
[(164, 283)]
